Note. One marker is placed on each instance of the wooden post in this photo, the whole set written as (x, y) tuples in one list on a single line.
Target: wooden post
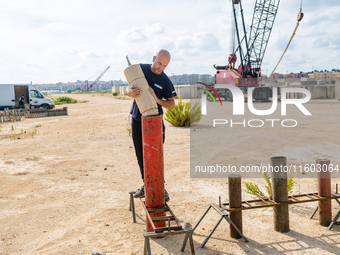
[(280, 193), (324, 190), (152, 135), (235, 201)]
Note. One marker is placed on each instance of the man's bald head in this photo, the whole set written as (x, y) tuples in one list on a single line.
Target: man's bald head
[(160, 61)]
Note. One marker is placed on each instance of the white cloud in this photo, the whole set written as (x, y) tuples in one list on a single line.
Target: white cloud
[(133, 34), (184, 42), (71, 41), (63, 51), (206, 41), (33, 65), (96, 54), (156, 29)]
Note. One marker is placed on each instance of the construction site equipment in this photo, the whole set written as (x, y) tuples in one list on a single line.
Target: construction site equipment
[(173, 226), (251, 49), (152, 137), (337, 216), (281, 224), (85, 86), (96, 80), (299, 18)]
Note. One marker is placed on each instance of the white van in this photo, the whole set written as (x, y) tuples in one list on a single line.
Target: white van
[(10, 94)]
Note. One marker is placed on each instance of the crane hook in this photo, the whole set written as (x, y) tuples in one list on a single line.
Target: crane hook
[(300, 14)]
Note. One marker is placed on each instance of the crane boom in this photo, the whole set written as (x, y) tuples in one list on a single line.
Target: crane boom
[(95, 81), (263, 20)]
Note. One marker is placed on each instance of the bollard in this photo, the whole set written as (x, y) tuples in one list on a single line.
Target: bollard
[(152, 135), (235, 201), (324, 190), (280, 194)]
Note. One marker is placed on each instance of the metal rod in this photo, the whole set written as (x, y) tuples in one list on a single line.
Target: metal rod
[(148, 215), (334, 222), (213, 230), (238, 39), (147, 248), (133, 209), (185, 241), (314, 212), (245, 34), (232, 223), (199, 221)]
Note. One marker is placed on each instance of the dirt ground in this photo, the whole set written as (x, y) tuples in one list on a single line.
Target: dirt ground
[(64, 190)]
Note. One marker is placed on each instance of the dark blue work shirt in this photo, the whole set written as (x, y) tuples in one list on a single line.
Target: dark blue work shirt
[(162, 86)]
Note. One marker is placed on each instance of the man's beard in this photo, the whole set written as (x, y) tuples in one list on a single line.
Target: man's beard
[(156, 70)]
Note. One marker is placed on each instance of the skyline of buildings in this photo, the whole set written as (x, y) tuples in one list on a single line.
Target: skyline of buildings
[(328, 76)]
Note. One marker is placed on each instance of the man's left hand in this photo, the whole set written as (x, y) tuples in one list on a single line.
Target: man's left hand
[(153, 94)]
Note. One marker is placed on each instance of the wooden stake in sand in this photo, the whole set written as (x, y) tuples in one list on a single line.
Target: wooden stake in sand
[(324, 190), (280, 194), (235, 201)]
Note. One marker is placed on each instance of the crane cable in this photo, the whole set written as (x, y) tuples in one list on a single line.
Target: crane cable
[(299, 18)]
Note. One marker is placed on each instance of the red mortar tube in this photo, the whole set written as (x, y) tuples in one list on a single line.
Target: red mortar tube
[(152, 133), (324, 190)]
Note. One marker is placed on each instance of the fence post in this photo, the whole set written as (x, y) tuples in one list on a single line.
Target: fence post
[(324, 190), (235, 201), (280, 194)]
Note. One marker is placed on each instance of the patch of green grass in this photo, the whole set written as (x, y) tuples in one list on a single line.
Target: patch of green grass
[(64, 100), (182, 115), (128, 129)]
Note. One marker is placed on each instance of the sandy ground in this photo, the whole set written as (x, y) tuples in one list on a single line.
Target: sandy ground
[(64, 190)]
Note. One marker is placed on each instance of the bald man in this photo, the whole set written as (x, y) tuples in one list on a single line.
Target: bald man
[(162, 89)]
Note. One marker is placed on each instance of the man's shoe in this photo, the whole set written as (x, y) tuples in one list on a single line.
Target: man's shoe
[(166, 196), (139, 193)]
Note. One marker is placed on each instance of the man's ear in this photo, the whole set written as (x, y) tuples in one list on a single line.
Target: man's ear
[(154, 58)]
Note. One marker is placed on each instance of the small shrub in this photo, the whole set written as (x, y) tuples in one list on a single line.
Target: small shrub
[(253, 189), (64, 100), (128, 129), (115, 94), (182, 115)]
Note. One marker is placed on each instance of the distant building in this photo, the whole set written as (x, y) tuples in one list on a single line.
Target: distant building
[(296, 75), (276, 76), (191, 79), (327, 76)]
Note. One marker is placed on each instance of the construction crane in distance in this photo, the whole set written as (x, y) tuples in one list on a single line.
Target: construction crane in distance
[(85, 86), (95, 81), (251, 49)]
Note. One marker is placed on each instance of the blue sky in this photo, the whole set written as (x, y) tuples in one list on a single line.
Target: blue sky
[(61, 41)]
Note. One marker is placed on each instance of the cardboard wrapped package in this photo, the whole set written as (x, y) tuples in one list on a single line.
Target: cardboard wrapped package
[(145, 102)]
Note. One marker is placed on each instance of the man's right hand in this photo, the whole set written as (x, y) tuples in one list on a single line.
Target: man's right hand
[(134, 92)]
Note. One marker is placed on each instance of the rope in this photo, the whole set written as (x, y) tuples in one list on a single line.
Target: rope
[(291, 38), (297, 24)]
